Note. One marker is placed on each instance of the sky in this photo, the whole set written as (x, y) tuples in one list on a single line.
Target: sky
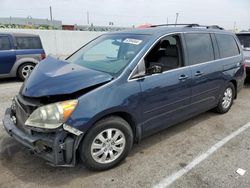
[(226, 13)]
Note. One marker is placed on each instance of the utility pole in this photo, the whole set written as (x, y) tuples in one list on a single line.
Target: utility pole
[(88, 17), (167, 20), (177, 15), (50, 10), (51, 17)]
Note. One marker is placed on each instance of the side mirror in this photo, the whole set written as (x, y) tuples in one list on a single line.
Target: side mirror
[(155, 69)]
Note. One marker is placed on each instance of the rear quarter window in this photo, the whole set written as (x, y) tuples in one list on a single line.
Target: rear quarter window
[(5, 43), (28, 43), (227, 45), (199, 47), (244, 40)]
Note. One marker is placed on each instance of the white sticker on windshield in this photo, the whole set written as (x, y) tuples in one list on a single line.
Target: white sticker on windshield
[(132, 41)]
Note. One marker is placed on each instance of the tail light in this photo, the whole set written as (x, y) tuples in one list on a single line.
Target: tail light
[(43, 56), (244, 65)]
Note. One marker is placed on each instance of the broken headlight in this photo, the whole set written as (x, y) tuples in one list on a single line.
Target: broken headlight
[(51, 116)]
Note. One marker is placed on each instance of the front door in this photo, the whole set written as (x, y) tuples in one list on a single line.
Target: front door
[(165, 98), (165, 94)]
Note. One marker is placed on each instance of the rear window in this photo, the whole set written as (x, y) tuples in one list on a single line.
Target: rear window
[(200, 48), (227, 45), (5, 43), (244, 40), (28, 43)]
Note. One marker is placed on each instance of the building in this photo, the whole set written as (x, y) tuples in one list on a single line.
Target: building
[(35, 23), (68, 27), (92, 28), (29, 22)]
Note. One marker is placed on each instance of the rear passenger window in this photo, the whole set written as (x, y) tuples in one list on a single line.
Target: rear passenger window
[(199, 47), (28, 43), (4, 43), (227, 45)]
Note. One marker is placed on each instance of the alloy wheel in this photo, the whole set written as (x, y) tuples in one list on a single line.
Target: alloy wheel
[(26, 70), (108, 145), (227, 98)]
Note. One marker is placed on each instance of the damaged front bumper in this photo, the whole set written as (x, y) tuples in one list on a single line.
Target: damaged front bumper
[(58, 148)]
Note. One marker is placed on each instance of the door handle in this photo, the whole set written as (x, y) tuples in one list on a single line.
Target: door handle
[(183, 77), (199, 73)]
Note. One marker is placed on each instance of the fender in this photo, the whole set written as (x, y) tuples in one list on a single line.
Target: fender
[(124, 113)]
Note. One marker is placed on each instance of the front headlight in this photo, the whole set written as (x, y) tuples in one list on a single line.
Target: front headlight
[(51, 116)]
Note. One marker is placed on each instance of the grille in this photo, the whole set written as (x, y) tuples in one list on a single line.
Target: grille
[(26, 106), (21, 117)]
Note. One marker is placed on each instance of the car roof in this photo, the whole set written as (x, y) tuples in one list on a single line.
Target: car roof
[(161, 30), (20, 34)]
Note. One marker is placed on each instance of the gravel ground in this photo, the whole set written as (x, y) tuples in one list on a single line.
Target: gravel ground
[(156, 157)]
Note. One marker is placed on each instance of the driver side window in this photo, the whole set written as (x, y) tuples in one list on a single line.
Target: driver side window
[(164, 56)]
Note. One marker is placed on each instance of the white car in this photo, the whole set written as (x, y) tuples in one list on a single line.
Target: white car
[(244, 38)]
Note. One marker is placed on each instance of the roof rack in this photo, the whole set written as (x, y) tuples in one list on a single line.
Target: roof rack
[(187, 25), (193, 25), (214, 27)]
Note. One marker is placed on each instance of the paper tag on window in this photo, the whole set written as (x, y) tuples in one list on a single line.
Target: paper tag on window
[(132, 41)]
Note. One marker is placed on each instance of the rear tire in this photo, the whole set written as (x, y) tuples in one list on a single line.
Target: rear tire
[(226, 99), (24, 70), (106, 144)]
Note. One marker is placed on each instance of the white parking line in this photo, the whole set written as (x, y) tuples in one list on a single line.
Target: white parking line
[(173, 177)]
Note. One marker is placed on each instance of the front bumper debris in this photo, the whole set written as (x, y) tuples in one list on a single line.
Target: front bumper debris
[(58, 148)]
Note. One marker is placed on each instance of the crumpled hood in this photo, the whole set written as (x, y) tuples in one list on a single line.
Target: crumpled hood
[(56, 77)]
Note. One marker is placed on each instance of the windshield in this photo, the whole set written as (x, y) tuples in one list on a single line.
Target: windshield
[(244, 40), (109, 53)]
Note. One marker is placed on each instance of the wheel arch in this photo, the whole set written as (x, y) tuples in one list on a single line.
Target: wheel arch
[(235, 88), (137, 132), (20, 62)]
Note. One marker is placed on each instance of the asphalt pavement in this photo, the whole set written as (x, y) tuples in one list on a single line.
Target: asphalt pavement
[(156, 158)]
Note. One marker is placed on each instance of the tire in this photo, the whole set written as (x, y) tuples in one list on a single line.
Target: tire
[(24, 70), (96, 153), (226, 99)]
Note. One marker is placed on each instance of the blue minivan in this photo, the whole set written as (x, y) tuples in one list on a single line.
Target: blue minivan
[(121, 87), (19, 53)]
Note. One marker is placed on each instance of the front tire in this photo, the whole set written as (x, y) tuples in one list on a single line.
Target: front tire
[(226, 99), (24, 70), (106, 144)]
